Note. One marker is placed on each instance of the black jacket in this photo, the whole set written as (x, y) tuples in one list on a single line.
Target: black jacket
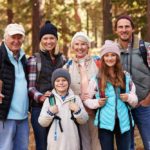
[(7, 75)]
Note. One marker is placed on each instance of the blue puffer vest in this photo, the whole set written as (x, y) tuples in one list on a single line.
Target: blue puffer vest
[(114, 107)]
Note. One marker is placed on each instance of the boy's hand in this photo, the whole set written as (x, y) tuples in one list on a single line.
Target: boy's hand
[(102, 101), (124, 97), (73, 106), (54, 109)]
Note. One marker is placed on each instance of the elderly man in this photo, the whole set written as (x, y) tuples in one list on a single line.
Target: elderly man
[(14, 129)]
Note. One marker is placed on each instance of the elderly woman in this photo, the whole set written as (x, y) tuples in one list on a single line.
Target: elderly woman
[(81, 63), (41, 67)]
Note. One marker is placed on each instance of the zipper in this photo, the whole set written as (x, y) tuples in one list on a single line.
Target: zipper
[(116, 97)]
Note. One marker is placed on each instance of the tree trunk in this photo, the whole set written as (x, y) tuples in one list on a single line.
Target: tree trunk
[(148, 22), (76, 16), (9, 11), (35, 25), (107, 19)]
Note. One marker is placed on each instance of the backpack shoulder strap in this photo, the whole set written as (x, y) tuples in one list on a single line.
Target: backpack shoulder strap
[(69, 62), (101, 93), (38, 58), (143, 52), (52, 100), (97, 61)]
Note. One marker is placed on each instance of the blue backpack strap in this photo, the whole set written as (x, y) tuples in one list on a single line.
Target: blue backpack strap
[(69, 62), (96, 60)]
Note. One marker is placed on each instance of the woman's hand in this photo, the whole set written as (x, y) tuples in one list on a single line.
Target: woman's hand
[(1, 98), (124, 97), (44, 96), (85, 96)]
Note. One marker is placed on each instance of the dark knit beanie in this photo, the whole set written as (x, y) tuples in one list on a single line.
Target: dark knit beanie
[(60, 73), (48, 28), (124, 17)]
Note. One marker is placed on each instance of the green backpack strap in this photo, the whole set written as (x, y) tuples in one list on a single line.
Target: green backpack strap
[(52, 100)]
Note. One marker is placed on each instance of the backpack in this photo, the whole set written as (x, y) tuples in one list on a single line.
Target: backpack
[(143, 52), (52, 102)]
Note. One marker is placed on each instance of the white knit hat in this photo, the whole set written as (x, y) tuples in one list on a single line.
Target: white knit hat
[(13, 29), (81, 36), (110, 47)]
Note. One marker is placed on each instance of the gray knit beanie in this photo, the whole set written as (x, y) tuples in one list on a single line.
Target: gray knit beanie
[(60, 73), (110, 47)]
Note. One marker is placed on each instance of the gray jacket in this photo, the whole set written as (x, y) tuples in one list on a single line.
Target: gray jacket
[(139, 71)]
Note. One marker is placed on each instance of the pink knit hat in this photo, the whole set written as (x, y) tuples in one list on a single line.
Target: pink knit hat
[(110, 47)]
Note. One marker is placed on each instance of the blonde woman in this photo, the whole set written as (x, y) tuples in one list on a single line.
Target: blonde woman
[(41, 67)]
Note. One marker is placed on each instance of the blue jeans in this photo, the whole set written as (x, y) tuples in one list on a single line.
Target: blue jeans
[(40, 133), (14, 134), (106, 138), (141, 117)]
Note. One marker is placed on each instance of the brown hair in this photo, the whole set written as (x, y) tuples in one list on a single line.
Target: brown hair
[(124, 17), (105, 76)]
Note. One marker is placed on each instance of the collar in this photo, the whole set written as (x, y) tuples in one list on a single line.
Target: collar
[(135, 44), (80, 60), (11, 55)]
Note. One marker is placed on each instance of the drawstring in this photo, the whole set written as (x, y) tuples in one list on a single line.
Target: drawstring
[(59, 121), (60, 126)]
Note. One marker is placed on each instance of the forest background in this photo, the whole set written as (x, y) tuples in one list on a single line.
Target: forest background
[(95, 17)]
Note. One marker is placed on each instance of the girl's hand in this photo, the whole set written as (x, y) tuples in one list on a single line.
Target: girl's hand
[(124, 97), (73, 106), (54, 109), (102, 101)]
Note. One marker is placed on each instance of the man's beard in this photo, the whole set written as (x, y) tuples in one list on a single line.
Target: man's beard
[(125, 40)]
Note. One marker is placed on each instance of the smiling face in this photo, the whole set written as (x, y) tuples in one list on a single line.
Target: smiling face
[(61, 85), (124, 30), (110, 59), (49, 42), (14, 42), (81, 48)]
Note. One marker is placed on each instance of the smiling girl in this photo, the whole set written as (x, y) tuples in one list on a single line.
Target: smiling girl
[(113, 117)]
